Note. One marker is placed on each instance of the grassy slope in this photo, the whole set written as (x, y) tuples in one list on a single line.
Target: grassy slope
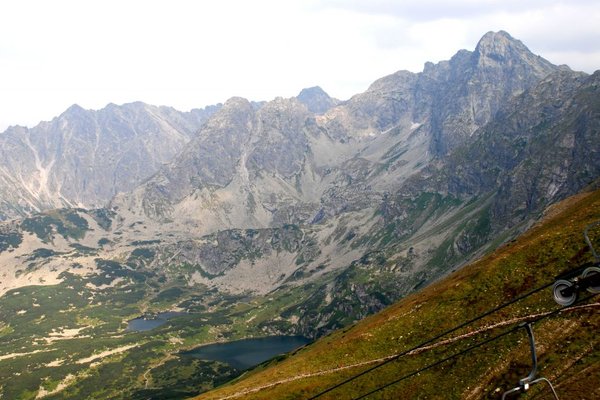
[(567, 343)]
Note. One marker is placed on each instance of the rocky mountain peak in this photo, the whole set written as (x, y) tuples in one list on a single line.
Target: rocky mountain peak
[(497, 42), (315, 91), (280, 104), (501, 49), (235, 101), (316, 100), (397, 82), (73, 111), (236, 111), (475, 84)]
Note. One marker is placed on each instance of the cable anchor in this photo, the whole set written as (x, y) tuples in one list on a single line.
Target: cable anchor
[(569, 284)]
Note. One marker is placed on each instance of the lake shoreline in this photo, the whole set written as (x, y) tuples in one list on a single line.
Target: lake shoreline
[(244, 354)]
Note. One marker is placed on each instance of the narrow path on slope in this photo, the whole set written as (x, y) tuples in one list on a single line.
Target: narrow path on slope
[(414, 352)]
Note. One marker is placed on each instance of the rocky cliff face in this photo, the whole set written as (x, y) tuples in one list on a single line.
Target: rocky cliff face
[(475, 84), (83, 158), (539, 142), (538, 150)]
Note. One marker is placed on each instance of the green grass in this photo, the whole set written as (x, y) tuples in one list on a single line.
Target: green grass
[(10, 240), (65, 222), (102, 314)]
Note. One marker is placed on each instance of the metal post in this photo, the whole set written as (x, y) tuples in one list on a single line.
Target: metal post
[(549, 384), (589, 242), (525, 383), (527, 380)]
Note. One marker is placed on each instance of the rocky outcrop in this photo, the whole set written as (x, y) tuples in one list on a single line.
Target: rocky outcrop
[(316, 100), (539, 149)]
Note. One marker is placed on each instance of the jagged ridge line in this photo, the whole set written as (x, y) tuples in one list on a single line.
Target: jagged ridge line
[(413, 352)]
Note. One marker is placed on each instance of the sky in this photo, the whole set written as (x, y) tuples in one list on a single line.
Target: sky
[(193, 53)]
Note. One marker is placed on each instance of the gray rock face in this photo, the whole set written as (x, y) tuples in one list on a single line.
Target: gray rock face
[(307, 155), (543, 145), (83, 158), (316, 100), (451, 99), (539, 148), (392, 167), (217, 253), (208, 161), (473, 85), (279, 142)]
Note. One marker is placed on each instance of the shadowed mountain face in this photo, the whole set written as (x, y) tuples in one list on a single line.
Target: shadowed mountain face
[(83, 158), (539, 148), (480, 82)]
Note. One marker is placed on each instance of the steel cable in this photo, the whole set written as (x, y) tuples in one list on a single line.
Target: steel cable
[(429, 341), (469, 349)]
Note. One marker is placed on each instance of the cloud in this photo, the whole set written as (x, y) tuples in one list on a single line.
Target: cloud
[(563, 31), (430, 10), (189, 54)]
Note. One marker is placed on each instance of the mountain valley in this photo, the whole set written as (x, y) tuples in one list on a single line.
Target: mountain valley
[(295, 216)]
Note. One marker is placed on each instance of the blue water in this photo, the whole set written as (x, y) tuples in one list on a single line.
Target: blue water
[(247, 353), (140, 324)]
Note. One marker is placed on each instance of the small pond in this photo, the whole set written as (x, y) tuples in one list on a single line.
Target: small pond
[(148, 322), (247, 353)]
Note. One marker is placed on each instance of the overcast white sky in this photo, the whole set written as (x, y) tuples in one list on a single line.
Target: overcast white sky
[(190, 54)]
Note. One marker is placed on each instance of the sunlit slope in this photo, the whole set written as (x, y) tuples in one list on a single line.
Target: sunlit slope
[(567, 342)]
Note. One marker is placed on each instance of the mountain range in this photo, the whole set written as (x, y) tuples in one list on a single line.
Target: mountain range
[(293, 216), (83, 158)]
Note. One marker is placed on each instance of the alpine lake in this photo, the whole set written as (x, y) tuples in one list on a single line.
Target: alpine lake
[(240, 354)]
